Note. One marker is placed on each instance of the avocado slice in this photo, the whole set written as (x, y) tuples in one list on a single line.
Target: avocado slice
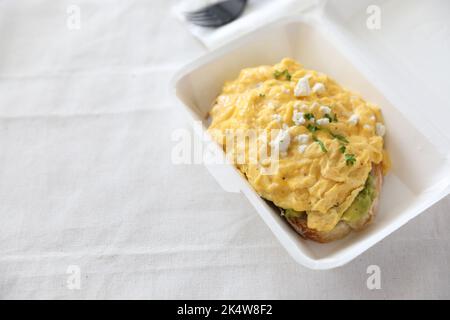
[(362, 203), (360, 206), (290, 213)]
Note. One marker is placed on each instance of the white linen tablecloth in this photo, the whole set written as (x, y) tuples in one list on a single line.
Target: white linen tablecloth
[(86, 180)]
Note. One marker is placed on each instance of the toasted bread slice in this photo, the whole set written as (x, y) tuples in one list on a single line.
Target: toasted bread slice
[(343, 228)]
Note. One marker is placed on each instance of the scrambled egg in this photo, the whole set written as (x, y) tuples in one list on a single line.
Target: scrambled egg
[(330, 138)]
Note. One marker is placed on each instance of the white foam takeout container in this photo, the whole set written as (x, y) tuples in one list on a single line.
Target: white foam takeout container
[(337, 42)]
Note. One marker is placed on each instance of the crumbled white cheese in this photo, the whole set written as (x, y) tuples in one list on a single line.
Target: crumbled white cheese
[(325, 109), (301, 106), (302, 138), (287, 91), (353, 120), (302, 88), (302, 148), (323, 121), (373, 118), (281, 141), (312, 120), (367, 127), (285, 126), (380, 129), (276, 117), (318, 88), (298, 118)]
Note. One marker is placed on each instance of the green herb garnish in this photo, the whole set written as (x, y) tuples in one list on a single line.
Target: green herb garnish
[(308, 116), (277, 74), (327, 116), (262, 95), (335, 119), (312, 128), (340, 137), (350, 159), (322, 146), (330, 118), (342, 149)]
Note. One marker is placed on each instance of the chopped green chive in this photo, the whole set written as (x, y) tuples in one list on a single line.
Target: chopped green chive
[(350, 159), (342, 149), (328, 117), (335, 119), (331, 118), (262, 95), (340, 137), (312, 128), (322, 146), (277, 74), (308, 116)]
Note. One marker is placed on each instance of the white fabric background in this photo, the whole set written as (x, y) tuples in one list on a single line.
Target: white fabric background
[(86, 177)]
